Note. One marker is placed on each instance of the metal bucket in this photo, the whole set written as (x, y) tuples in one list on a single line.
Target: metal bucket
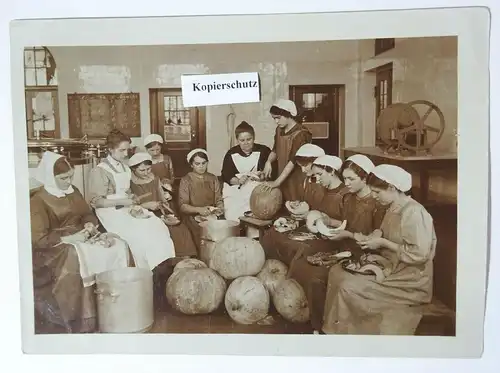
[(125, 300), (213, 231)]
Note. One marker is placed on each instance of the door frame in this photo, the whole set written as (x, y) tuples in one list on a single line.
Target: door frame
[(341, 108)]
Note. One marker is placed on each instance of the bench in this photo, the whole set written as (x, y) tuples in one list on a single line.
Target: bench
[(437, 319)]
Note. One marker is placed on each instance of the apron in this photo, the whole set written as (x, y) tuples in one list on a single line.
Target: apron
[(292, 186), (149, 239), (237, 200)]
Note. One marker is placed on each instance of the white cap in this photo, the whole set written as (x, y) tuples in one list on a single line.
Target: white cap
[(394, 175), (138, 158), (362, 161), (310, 150), (329, 160), (153, 138), (194, 151), (287, 105)]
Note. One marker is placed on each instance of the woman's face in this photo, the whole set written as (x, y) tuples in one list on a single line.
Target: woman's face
[(142, 171), (245, 141), (199, 165), (352, 181), (280, 120), (307, 169), (154, 150), (324, 177), (384, 196), (120, 153), (63, 181)]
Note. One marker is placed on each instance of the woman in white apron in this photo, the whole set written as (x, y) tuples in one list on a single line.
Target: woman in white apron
[(242, 171), (119, 211), (68, 251)]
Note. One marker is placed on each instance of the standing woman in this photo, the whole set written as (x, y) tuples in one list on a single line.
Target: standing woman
[(109, 186), (289, 137), (200, 193), (162, 166), (241, 171), (358, 304)]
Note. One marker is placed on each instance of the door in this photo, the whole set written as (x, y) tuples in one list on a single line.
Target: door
[(319, 107), (183, 129)]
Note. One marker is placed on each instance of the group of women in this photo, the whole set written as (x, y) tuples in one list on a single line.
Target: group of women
[(380, 216)]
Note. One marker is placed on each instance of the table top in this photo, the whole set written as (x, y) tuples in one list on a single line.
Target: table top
[(376, 151), (256, 222)]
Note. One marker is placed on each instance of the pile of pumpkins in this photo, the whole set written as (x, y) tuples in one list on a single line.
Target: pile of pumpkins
[(238, 275)]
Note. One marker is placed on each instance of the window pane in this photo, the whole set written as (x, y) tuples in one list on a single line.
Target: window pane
[(40, 58), (30, 78), (41, 76), (29, 59), (309, 100)]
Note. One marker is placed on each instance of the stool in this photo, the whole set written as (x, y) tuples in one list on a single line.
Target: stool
[(254, 228)]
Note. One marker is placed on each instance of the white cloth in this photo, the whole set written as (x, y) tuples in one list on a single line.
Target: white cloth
[(138, 158), (153, 138), (362, 161), (329, 160), (310, 150), (237, 200), (394, 175), (194, 151), (149, 239), (95, 259), (287, 105), (45, 175)]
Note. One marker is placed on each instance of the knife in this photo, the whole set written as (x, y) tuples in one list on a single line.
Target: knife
[(247, 179)]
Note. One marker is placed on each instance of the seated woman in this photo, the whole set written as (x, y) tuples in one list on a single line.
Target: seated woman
[(359, 304), (241, 171), (118, 211), (145, 183), (200, 194), (312, 191), (162, 166), (314, 278), (65, 256)]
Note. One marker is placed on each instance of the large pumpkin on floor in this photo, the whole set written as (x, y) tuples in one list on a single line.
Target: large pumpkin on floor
[(264, 204), (234, 257), (247, 300), (190, 263), (290, 301), (195, 291), (272, 274)]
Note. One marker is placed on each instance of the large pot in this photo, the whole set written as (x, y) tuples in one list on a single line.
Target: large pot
[(213, 231), (125, 300)]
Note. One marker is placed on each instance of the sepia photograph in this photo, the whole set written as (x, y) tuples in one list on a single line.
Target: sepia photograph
[(286, 187)]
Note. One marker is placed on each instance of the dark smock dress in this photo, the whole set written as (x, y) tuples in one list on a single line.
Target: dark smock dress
[(285, 146), (56, 269), (164, 169), (313, 193), (181, 236), (199, 191)]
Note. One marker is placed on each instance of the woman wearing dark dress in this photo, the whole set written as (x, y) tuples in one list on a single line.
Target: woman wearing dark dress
[(162, 165), (242, 171), (312, 191), (200, 192)]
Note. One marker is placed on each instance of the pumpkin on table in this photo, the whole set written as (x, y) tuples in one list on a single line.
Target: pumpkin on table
[(265, 203)]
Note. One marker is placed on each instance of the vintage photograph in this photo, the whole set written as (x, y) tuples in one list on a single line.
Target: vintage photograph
[(329, 207)]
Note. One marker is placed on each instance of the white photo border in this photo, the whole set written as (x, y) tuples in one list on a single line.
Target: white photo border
[(471, 25)]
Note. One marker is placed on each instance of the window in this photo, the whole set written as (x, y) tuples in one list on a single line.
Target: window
[(383, 45), (40, 82), (383, 90)]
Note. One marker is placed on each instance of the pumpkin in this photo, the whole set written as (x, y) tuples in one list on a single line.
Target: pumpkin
[(190, 263), (247, 300), (234, 257), (195, 291), (265, 203), (290, 301), (272, 273)]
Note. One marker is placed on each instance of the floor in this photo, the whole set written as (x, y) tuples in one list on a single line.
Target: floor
[(171, 321)]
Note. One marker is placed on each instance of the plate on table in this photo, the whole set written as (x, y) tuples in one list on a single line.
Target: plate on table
[(354, 266)]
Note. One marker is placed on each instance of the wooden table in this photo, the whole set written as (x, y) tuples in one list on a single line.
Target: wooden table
[(260, 225), (422, 164)]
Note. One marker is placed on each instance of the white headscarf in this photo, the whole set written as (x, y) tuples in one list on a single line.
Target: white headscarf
[(310, 150), (194, 151), (45, 175), (287, 105), (153, 138), (138, 158), (362, 161), (394, 175), (329, 160)]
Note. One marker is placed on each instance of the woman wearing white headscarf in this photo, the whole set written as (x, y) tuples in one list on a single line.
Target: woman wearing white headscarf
[(200, 194), (65, 261), (360, 304), (162, 165)]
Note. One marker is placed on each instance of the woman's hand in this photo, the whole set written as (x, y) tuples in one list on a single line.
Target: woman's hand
[(90, 228), (204, 211), (268, 185), (373, 243), (268, 169), (242, 180), (153, 205)]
